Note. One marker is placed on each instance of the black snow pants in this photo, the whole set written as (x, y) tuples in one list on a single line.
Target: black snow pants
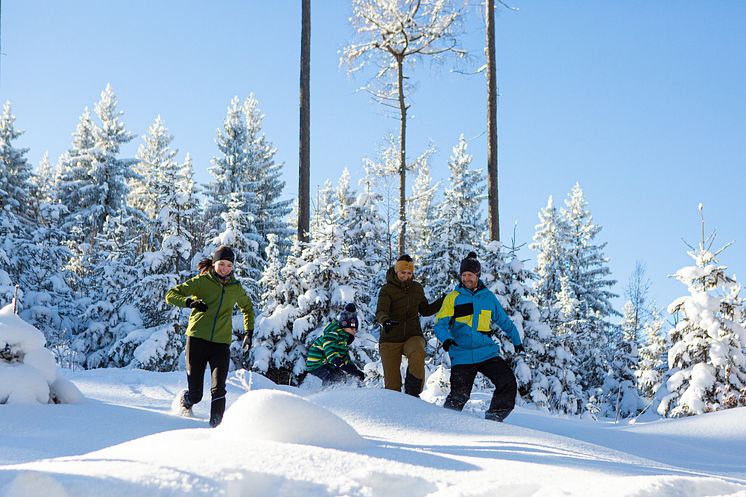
[(498, 372), (198, 354)]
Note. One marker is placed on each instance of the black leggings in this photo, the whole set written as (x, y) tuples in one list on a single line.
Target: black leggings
[(198, 353), (497, 371)]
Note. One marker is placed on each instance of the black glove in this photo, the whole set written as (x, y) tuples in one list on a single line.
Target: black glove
[(353, 371), (519, 349), (389, 324), (337, 362), (247, 338), (447, 344), (196, 304)]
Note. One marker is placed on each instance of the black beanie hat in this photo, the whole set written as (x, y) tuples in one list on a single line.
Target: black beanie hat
[(470, 264), (348, 317), (224, 253)]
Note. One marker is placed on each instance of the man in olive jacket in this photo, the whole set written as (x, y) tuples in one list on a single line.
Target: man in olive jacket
[(400, 304)]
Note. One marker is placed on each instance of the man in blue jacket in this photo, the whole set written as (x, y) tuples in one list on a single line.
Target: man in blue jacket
[(463, 325)]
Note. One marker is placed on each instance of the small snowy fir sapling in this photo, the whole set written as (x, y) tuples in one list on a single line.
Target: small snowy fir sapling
[(707, 360)]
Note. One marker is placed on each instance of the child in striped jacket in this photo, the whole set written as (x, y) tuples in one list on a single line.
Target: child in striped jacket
[(329, 357)]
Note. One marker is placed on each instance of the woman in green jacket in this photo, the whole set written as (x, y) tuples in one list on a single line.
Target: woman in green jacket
[(211, 295)]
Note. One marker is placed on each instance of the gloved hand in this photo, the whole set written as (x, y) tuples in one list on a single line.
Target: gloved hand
[(196, 304), (248, 337), (353, 371), (389, 324), (519, 349), (448, 343), (337, 362)]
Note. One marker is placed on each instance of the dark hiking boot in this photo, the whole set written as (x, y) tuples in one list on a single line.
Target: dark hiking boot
[(215, 420), (498, 416), (412, 385)]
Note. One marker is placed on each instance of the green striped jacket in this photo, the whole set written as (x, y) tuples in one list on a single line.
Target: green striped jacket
[(331, 344)]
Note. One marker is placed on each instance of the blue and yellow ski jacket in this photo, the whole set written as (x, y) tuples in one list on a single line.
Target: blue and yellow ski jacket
[(466, 317)]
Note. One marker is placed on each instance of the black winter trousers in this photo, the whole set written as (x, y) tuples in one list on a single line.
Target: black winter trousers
[(498, 372), (198, 354)]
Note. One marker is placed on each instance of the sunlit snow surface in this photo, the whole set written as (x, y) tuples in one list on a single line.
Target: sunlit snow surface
[(283, 441)]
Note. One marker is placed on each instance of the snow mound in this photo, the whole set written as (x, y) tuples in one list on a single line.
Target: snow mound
[(284, 417), (28, 371), (365, 407)]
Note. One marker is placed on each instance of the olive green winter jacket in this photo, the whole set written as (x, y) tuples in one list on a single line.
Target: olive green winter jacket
[(403, 302), (215, 323)]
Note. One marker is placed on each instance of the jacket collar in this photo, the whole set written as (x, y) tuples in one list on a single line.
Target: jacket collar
[(462, 289)]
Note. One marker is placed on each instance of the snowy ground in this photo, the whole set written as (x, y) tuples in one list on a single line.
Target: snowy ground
[(348, 442)]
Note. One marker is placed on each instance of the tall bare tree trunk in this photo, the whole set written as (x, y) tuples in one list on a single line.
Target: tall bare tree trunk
[(402, 158), (304, 164), (492, 183)]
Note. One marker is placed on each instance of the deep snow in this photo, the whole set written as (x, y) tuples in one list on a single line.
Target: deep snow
[(279, 440)]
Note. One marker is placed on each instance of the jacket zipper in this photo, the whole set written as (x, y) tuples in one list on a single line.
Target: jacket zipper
[(217, 313)]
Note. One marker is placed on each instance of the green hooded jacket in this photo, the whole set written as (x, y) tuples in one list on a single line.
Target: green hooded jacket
[(403, 302), (215, 323)]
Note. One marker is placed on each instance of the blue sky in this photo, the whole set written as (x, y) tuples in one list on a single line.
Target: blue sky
[(642, 102)]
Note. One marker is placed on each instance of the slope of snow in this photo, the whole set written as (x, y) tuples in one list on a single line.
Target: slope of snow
[(348, 442)]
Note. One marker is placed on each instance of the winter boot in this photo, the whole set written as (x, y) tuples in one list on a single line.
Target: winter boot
[(184, 404), (412, 385), (215, 420), (498, 416)]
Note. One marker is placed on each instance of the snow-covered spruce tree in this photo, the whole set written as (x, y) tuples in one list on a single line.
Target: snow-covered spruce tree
[(47, 301), (266, 174), (544, 374), (185, 215), (313, 288), (74, 185), (653, 356), (110, 172), (107, 272), (230, 169), (421, 214), (15, 191), (156, 344), (587, 277), (620, 397), (240, 233), (152, 190), (43, 180), (707, 360), (550, 241), (367, 238), (459, 222)]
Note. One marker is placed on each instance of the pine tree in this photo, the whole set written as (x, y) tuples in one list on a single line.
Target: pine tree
[(74, 186), (314, 286), (229, 170), (544, 375), (587, 277), (185, 214), (107, 271), (707, 360), (620, 396), (110, 172), (152, 190), (266, 174), (43, 180), (653, 357), (421, 213), (459, 223), (550, 241), (240, 234), (15, 199)]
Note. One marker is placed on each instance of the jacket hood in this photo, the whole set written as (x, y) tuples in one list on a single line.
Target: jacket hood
[(392, 278)]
